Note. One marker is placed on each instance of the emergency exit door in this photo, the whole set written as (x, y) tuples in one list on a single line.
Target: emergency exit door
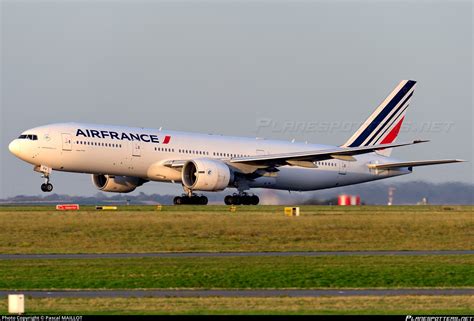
[(343, 167)]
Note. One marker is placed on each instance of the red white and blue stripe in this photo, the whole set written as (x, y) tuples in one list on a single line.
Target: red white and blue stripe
[(383, 126)]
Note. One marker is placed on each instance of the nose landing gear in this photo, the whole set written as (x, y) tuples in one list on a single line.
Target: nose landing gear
[(46, 171)]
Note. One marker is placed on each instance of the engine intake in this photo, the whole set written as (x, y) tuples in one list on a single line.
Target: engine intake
[(206, 175), (117, 184)]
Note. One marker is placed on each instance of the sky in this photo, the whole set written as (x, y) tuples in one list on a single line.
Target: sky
[(306, 70)]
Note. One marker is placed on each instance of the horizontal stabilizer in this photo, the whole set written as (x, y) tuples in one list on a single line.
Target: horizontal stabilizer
[(414, 163)]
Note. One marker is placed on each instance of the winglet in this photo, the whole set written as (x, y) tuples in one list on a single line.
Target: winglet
[(419, 141)]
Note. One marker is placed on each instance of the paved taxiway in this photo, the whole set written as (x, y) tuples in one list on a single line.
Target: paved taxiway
[(235, 293), (227, 254)]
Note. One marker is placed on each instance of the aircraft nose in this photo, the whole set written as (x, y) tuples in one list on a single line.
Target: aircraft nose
[(14, 147)]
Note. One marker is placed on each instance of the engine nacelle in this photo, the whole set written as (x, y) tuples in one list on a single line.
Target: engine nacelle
[(117, 184), (206, 175)]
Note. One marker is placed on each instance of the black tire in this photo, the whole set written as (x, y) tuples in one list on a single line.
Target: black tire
[(177, 200), (43, 188), (49, 187), (245, 200), (228, 200), (203, 200), (236, 200), (254, 200)]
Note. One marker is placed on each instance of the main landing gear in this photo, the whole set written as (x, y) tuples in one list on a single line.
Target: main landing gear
[(241, 199), (190, 200)]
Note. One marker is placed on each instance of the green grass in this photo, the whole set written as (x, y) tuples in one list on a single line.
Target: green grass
[(239, 273), (404, 305), (251, 228)]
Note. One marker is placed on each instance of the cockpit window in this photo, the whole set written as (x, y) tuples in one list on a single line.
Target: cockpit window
[(30, 137)]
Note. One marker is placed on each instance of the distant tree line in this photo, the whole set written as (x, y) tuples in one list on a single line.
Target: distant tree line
[(370, 193)]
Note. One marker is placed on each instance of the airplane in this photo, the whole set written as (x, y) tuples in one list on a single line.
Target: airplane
[(121, 159)]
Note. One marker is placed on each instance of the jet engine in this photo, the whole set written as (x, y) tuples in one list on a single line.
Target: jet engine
[(117, 184), (206, 175)]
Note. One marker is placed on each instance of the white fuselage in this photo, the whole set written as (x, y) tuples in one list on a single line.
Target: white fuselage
[(141, 152)]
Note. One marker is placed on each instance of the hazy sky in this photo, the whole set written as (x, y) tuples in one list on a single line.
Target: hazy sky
[(230, 67)]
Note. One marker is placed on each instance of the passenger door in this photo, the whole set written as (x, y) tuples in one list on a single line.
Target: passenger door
[(136, 149), (67, 141)]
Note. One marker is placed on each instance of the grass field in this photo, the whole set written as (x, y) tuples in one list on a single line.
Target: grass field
[(240, 273), (214, 228), (413, 305)]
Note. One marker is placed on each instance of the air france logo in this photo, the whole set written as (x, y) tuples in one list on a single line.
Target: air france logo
[(92, 133)]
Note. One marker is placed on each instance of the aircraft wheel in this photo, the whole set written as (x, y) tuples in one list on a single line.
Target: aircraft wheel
[(236, 200), (178, 200), (203, 200), (245, 200), (254, 200), (228, 200), (46, 187)]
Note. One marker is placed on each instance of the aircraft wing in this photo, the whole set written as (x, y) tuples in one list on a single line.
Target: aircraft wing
[(303, 159), (414, 163)]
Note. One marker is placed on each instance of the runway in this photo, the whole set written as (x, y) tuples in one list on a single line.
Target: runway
[(225, 254), (234, 293)]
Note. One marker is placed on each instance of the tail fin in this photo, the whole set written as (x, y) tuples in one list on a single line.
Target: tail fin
[(383, 126)]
